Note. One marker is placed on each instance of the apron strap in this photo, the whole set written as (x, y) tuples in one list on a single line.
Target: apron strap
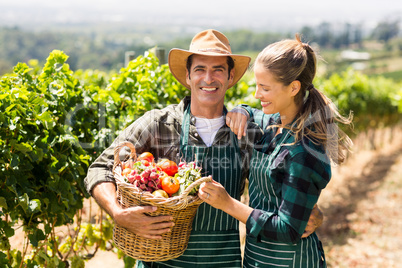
[(185, 127)]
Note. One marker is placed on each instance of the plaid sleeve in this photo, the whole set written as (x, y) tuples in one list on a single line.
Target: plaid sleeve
[(305, 175), (269, 225), (258, 116), (101, 170)]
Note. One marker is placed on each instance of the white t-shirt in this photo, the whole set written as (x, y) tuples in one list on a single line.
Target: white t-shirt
[(207, 128)]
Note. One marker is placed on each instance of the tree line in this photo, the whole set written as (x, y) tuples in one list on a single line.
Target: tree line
[(106, 52)]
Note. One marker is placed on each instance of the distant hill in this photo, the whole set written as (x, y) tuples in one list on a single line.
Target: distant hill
[(223, 14)]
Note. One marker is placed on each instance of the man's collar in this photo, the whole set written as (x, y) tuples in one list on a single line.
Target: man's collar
[(187, 101)]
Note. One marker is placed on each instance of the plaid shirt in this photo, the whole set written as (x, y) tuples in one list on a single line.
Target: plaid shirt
[(297, 175), (158, 132)]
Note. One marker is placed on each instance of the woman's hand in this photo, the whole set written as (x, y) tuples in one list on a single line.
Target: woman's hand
[(237, 121), (214, 194)]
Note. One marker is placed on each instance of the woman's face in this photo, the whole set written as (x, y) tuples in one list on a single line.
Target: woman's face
[(275, 97)]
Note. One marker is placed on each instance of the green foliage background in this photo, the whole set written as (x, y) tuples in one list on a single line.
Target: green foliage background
[(54, 122)]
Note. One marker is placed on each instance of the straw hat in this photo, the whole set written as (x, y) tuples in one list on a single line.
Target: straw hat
[(210, 43)]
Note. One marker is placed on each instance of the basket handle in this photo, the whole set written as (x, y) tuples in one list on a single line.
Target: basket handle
[(117, 149), (195, 184)]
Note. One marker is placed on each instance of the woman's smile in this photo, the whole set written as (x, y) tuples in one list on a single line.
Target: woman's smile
[(265, 103)]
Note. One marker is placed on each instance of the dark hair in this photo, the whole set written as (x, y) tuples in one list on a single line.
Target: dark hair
[(229, 61)]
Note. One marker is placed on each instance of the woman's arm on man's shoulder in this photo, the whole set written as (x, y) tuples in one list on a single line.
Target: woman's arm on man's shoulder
[(237, 119)]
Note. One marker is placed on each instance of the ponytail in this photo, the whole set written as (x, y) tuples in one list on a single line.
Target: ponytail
[(317, 119)]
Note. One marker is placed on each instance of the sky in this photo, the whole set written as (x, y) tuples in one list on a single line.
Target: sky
[(253, 14)]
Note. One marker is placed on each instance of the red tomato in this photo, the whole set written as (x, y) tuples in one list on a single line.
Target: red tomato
[(145, 162), (146, 156), (169, 167), (170, 184)]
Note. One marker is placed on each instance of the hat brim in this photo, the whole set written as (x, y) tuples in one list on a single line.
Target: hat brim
[(178, 59)]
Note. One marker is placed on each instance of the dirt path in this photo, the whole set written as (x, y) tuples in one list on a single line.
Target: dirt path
[(363, 211)]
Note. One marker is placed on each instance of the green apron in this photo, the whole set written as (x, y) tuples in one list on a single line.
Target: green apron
[(264, 252), (214, 239)]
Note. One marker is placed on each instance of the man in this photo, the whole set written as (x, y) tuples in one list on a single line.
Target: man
[(192, 130)]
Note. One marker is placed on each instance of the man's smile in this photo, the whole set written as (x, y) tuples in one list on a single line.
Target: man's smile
[(209, 89)]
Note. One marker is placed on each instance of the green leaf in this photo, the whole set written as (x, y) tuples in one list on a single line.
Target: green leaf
[(4, 260), (36, 237), (8, 230), (9, 108), (3, 202), (37, 155), (23, 202), (48, 229), (21, 68), (129, 262), (15, 160), (23, 147)]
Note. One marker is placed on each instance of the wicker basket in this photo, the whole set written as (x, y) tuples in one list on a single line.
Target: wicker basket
[(182, 208)]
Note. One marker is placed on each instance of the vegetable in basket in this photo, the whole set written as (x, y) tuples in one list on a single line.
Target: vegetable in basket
[(165, 175), (187, 174)]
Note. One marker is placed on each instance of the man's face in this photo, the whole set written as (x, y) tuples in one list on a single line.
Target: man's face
[(209, 80)]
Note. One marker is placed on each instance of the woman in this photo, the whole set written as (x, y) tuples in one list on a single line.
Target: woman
[(291, 164)]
